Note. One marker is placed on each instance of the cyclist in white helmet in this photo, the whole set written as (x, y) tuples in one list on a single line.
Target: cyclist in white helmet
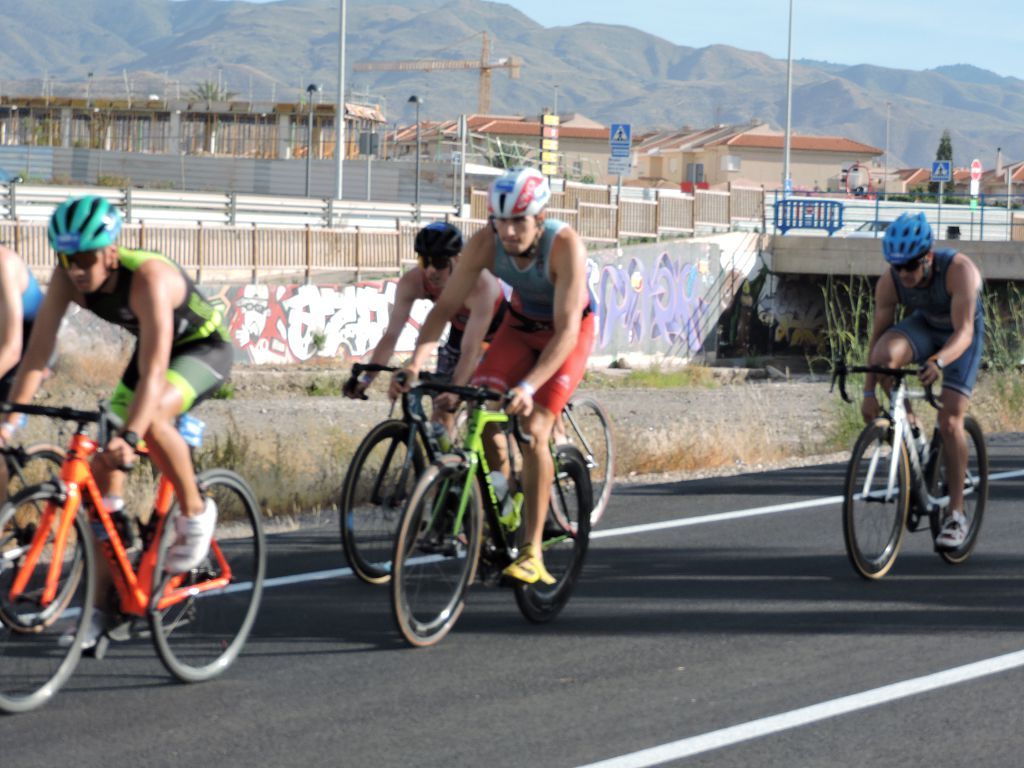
[(540, 351)]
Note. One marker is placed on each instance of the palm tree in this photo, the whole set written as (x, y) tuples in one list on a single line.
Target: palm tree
[(208, 90)]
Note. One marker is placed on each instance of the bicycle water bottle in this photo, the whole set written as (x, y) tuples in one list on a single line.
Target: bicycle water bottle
[(439, 434), (191, 429), (920, 441)]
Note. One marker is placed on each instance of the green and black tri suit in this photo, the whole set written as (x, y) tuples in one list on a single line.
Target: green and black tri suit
[(201, 353)]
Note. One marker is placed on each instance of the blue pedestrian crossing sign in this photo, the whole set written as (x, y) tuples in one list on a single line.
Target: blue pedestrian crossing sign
[(942, 170), (620, 139)]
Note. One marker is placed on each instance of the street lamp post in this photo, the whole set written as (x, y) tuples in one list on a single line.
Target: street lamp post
[(417, 101), (339, 153), (310, 90), (786, 182), (885, 164)]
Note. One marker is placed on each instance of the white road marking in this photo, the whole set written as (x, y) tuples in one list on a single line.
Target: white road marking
[(735, 734)]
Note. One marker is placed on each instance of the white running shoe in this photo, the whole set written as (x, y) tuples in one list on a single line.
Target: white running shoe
[(954, 531), (193, 539)]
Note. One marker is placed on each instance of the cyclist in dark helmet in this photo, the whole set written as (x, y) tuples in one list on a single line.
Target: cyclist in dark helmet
[(944, 330), (437, 248)]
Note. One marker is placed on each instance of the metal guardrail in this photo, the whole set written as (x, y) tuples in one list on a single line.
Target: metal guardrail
[(256, 237)]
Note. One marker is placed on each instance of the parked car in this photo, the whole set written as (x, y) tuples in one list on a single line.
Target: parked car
[(869, 229)]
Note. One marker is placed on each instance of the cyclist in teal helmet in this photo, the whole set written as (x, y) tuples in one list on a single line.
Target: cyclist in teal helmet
[(182, 355), (943, 330)]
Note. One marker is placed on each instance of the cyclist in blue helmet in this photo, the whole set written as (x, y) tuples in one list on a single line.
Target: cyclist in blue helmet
[(943, 329)]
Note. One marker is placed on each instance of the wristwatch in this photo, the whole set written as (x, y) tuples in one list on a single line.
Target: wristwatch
[(132, 438), (938, 363)]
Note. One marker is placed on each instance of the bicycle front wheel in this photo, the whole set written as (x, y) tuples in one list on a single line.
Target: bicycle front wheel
[(202, 618), (379, 480), (566, 538), (46, 599), (975, 491), (436, 552), (876, 500), (33, 465), (588, 429)]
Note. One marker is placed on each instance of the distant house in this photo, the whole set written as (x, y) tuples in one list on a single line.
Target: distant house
[(749, 154)]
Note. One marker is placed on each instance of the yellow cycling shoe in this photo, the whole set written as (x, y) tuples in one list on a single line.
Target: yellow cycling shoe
[(529, 570)]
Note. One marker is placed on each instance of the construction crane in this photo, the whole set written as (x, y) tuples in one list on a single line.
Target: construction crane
[(485, 65)]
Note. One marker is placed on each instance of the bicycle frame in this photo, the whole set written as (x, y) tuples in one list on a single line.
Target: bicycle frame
[(138, 590)]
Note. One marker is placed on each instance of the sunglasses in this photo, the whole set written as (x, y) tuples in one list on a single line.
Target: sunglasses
[(912, 265), (84, 260), (437, 262)]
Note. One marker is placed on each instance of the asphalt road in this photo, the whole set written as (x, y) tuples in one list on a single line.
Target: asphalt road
[(712, 640)]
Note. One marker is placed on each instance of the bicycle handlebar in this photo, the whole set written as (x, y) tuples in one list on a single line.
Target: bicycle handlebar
[(107, 420), (840, 370), (430, 383)]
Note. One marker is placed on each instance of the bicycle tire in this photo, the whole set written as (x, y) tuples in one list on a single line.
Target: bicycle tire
[(433, 564), (42, 462), (565, 547), (371, 500), (589, 429), (873, 526), (34, 664), (975, 492), (201, 635)]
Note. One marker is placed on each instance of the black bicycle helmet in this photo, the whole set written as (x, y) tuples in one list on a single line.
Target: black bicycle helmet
[(438, 240)]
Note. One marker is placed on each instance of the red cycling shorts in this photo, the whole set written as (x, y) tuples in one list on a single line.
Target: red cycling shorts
[(513, 353)]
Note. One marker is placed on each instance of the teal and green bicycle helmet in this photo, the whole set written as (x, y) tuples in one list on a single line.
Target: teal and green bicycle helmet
[(84, 224)]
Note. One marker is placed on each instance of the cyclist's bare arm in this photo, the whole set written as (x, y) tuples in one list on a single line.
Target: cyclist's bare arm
[(157, 290), (886, 300), (481, 311), (409, 289), (569, 272), (963, 281), (59, 294), (11, 285), (477, 256)]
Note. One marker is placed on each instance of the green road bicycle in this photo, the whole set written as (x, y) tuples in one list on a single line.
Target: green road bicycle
[(893, 483), (455, 527)]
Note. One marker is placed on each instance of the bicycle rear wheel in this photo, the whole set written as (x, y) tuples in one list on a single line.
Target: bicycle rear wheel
[(34, 662), (975, 491), (435, 558), (378, 482), (566, 538), (588, 429), (875, 515), (203, 617)]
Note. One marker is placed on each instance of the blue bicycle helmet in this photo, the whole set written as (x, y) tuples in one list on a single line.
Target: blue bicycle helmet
[(907, 238), (84, 224)]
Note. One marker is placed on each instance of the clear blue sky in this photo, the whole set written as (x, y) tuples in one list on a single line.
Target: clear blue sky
[(906, 34)]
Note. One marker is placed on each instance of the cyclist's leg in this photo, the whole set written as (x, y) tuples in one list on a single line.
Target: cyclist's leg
[(538, 465), (506, 361), (195, 371), (447, 360), (957, 385), (907, 341)]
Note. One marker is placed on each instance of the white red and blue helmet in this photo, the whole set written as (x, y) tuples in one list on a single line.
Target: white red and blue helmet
[(518, 192)]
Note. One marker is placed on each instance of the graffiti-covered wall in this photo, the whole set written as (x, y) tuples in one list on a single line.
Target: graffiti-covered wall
[(293, 323), (651, 301)]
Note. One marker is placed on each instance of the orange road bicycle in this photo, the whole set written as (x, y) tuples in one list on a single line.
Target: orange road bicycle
[(197, 620)]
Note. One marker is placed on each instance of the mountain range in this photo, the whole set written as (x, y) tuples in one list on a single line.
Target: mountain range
[(608, 73)]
